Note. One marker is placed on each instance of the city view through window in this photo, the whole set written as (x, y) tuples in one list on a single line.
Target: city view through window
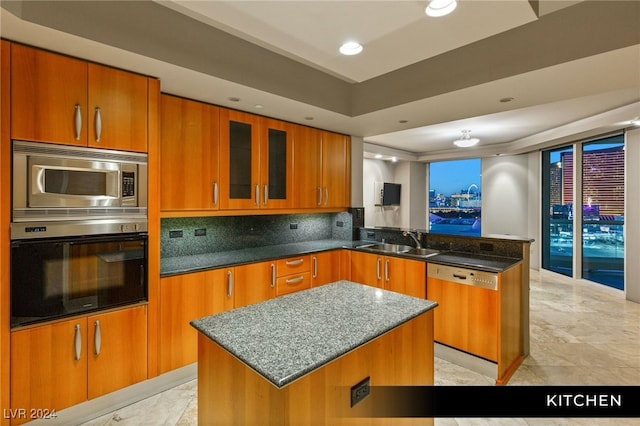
[(601, 237), (455, 197)]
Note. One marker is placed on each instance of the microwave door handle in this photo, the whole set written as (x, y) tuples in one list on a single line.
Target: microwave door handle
[(98, 124)]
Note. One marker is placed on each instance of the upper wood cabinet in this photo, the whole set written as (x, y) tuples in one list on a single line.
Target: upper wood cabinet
[(321, 169), (189, 155), (255, 161), (68, 101)]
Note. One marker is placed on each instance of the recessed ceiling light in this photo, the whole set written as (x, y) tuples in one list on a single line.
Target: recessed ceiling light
[(437, 8), (378, 156), (506, 100), (466, 141), (635, 122), (259, 106), (351, 48), (394, 159)]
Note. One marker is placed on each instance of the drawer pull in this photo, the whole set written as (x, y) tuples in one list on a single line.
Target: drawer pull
[(295, 262), (294, 281)]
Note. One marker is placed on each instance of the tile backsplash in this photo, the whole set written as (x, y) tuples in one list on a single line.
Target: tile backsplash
[(190, 236)]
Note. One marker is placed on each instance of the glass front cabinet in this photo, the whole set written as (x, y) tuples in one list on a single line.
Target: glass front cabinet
[(256, 162)]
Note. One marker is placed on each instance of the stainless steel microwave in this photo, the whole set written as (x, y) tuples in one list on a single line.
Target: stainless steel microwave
[(53, 180)]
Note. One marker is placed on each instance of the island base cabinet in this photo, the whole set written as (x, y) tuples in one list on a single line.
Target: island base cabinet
[(56, 366), (229, 392)]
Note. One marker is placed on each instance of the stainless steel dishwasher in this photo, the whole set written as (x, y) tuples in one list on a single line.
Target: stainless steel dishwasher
[(467, 315)]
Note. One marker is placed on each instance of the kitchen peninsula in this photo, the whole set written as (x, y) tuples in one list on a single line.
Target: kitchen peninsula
[(296, 359)]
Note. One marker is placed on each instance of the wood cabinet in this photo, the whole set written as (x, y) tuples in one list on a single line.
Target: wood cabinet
[(184, 298), (58, 99), (321, 169), (256, 161), (483, 322), (390, 273), (58, 365), (189, 160), (326, 267), (254, 283), (293, 274)]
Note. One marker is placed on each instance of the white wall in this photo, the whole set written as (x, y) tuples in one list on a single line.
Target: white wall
[(413, 201), (357, 151), (505, 195), (379, 171), (632, 216)]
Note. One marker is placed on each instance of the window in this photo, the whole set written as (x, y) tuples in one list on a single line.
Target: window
[(455, 197), (587, 233)]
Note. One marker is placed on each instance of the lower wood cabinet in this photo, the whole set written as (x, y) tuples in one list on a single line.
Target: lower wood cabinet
[(390, 273), (58, 365), (326, 267), (184, 298)]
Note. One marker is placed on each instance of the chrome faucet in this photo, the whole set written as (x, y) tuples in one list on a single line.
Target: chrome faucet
[(415, 238)]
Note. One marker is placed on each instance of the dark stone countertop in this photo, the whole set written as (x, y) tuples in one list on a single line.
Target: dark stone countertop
[(201, 262), (285, 338)]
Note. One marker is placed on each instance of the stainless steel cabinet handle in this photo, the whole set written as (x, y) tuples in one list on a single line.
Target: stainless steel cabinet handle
[(265, 200), (257, 195), (98, 124), (98, 338), (273, 275), (326, 195), (294, 281), (319, 196), (315, 267), (378, 264), (294, 262), (78, 121), (216, 194), (229, 284), (386, 270), (78, 342)]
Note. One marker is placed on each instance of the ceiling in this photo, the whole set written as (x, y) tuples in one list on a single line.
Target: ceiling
[(572, 68)]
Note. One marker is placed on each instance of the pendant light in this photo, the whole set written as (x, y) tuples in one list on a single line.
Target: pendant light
[(466, 140), (437, 8)]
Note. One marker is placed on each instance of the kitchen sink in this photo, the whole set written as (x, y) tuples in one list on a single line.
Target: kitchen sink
[(423, 252), (386, 248)]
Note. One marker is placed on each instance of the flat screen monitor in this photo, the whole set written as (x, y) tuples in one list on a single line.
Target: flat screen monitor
[(391, 194)]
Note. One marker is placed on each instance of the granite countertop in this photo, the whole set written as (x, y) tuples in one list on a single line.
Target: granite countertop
[(200, 262), (285, 338)]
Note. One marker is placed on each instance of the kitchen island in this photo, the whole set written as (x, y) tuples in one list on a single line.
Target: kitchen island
[(297, 358)]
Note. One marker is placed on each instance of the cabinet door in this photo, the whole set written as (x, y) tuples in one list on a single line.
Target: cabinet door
[(307, 171), (49, 366), (405, 276), (48, 97), (276, 163), (367, 269), (184, 298), (466, 318), (336, 183), (239, 160), (189, 155), (325, 268), (117, 350), (254, 283), (118, 109)]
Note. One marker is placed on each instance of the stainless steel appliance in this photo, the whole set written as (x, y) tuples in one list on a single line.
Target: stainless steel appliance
[(78, 231), (59, 190)]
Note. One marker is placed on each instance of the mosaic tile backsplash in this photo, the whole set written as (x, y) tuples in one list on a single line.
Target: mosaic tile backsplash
[(191, 236)]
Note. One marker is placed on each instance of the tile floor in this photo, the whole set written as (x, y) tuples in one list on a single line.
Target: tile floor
[(581, 334)]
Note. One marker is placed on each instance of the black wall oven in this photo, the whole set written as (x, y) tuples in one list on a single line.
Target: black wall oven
[(56, 277)]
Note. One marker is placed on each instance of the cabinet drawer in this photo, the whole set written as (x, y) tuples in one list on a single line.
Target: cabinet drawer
[(293, 283), (293, 265)]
